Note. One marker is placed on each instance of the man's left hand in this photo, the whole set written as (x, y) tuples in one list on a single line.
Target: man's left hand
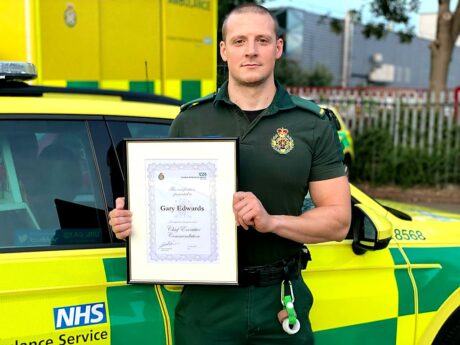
[(249, 211)]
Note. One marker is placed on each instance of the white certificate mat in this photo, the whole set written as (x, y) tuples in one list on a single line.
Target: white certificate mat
[(180, 192)]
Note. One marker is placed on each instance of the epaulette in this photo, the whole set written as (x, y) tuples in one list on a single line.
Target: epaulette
[(307, 105), (324, 113), (197, 101)]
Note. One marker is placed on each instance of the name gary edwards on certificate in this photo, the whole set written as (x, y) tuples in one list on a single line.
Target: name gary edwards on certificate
[(181, 217)]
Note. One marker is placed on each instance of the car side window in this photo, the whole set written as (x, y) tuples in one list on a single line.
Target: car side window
[(121, 128), (52, 196), (147, 130)]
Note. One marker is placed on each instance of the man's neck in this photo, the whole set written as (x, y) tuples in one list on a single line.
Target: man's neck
[(251, 97)]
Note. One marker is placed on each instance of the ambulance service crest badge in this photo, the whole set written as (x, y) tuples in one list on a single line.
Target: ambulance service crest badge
[(70, 15), (282, 142)]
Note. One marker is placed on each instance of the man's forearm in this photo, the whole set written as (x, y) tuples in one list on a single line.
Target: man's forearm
[(321, 224)]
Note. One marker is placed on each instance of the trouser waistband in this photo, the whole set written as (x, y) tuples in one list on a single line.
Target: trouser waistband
[(285, 269)]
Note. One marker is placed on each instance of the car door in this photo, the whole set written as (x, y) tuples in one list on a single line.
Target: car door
[(63, 275), (109, 153), (429, 242), (360, 299)]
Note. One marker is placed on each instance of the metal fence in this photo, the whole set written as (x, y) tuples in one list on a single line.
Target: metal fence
[(416, 122)]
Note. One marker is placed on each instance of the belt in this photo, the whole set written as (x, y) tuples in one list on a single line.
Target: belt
[(285, 269)]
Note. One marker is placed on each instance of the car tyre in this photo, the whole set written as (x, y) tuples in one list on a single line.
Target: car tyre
[(450, 331)]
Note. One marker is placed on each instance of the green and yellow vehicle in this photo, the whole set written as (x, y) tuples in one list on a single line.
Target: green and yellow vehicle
[(146, 45), (395, 279), (344, 136)]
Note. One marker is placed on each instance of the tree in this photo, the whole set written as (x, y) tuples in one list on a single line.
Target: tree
[(447, 32), (288, 72)]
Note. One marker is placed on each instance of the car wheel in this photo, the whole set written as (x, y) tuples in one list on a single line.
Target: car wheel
[(450, 331)]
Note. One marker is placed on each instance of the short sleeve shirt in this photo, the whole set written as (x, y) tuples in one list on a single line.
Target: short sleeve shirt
[(280, 152)]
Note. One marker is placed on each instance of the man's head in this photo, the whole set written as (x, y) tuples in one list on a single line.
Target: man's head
[(250, 45), (249, 8)]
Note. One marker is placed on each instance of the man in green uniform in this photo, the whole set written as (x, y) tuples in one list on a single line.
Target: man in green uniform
[(287, 148)]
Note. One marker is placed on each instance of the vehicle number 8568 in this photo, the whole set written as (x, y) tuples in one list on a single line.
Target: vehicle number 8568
[(414, 235)]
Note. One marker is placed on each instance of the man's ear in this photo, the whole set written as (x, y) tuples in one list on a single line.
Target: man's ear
[(279, 47), (223, 51)]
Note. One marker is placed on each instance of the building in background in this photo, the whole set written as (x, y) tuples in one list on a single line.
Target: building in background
[(353, 59), (427, 26)]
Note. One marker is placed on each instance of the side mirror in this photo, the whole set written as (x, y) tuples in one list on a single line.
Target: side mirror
[(371, 231)]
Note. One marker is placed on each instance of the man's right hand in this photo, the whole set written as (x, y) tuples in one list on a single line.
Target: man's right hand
[(120, 219)]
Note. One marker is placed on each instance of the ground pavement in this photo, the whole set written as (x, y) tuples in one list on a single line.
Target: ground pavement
[(445, 198)]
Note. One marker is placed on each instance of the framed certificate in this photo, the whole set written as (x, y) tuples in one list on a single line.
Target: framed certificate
[(180, 192)]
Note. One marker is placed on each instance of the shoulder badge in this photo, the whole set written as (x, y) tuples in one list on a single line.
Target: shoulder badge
[(197, 101), (282, 141), (307, 105)]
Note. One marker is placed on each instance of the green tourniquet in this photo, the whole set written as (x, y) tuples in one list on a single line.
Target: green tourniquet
[(290, 309), (279, 180)]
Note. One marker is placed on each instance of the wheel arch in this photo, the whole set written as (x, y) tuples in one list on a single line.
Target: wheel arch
[(450, 307)]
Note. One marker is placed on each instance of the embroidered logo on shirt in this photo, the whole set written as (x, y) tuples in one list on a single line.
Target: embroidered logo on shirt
[(282, 142)]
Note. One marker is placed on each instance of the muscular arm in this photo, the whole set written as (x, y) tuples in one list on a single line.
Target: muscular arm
[(328, 221)]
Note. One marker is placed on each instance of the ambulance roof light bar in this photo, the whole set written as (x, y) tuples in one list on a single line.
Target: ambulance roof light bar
[(12, 70)]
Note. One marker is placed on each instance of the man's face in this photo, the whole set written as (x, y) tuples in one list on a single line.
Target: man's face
[(251, 48)]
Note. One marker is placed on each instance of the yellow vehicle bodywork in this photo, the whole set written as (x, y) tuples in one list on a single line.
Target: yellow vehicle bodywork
[(144, 46), (401, 294), (344, 136)]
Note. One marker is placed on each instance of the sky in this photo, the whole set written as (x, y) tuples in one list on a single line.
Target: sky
[(338, 8)]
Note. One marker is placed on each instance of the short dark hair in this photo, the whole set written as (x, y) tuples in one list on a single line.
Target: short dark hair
[(249, 8)]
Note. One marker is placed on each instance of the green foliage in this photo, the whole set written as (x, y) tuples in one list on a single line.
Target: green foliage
[(378, 162), (374, 30), (393, 12), (373, 157), (336, 25), (320, 76), (406, 36), (288, 72)]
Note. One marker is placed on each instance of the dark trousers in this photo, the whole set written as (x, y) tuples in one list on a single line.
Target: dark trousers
[(231, 315)]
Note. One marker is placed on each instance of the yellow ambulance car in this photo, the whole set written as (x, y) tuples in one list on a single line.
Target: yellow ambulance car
[(63, 278), (344, 136)]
